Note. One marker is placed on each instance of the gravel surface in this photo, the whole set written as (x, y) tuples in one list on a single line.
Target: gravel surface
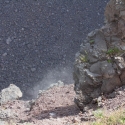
[(56, 107), (39, 36)]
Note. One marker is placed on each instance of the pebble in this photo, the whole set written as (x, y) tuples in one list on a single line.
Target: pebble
[(8, 40), (75, 120), (99, 99), (53, 115), (86, 108), (94, 101), (112, 95), (119, 92), (4, 54), (33, 69)]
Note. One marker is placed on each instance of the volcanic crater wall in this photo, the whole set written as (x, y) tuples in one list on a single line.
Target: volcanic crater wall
[(100, 64)]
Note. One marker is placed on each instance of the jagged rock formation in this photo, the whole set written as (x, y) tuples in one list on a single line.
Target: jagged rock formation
[(99, 65)]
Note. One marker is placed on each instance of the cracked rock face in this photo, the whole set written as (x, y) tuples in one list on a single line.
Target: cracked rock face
[(100, 64)]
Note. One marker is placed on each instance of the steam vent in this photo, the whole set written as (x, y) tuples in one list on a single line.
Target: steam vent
[(100, 63)]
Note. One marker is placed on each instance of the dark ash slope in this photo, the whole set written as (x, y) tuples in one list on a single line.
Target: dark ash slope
[(38, 35)]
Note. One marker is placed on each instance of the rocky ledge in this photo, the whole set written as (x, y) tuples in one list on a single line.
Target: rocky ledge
[(100, 64)]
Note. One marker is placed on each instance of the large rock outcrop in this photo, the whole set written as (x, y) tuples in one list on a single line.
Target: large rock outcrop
[(100, 64)]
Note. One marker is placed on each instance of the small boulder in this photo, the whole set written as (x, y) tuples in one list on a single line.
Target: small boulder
[(11, 93)]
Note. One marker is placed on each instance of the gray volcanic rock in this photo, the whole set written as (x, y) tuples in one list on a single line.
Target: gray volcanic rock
[(100, 63), (9, 94)]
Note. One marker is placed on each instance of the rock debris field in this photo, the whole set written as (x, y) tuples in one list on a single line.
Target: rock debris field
[(39, 39), (54, 107)]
